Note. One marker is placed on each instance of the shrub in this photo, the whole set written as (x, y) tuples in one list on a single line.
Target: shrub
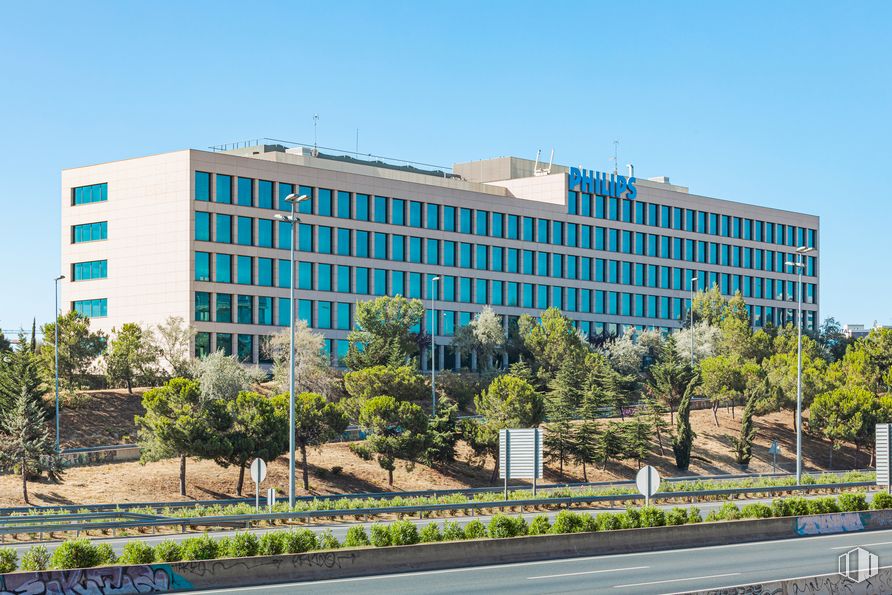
[(728, 512), (475, 530), (271, 543), (356, 537), (199, 548), (694, 515), (540, 525), (105, 555), (452, 531), (168, 551), (567, 522), (327, 541), (677, 516), (380, 535), (651, 516), (137, 552), (9, 559), (796, 506), (607, 521), (74, 553), (299, 541), (755, 510), (881, 500), (35, 559), (852, 502), (403, 533), (430, 533), (242, 545), (501, 526), (823, 505)]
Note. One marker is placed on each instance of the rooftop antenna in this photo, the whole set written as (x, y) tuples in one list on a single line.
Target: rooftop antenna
[(615, 161), (631, 170), (551, 160), (536, 165), (315, 136), (543, 172)]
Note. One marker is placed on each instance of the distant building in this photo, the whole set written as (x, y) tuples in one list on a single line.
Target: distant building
[(856, 331)]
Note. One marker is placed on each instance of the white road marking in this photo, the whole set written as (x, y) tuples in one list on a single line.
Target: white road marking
[(676, 580), (779, 580), (532, 578), (848, 547)]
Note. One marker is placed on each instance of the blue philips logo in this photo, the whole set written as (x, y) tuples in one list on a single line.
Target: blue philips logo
[(602, 184)]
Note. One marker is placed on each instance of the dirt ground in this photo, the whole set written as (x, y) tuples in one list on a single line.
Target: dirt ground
[(104, 418)]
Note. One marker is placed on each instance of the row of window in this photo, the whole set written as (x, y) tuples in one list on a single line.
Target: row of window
[(396, 211), (97, 308), (244, 346), (323, 239), (83, 195), (249, 309), (89, 232), (94, 269)]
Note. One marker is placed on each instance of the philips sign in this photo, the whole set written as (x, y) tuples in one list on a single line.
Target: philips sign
[(601, 184)]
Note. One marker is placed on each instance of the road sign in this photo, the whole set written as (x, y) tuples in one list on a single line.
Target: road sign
[(774, 451), (258, 474), (520, 455), (648, 482), (883, 448)]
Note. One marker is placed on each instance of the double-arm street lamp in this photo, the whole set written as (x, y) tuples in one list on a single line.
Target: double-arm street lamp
[(293, 220), (799, 266)]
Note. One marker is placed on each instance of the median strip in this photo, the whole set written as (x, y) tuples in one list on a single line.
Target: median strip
[(676, 580), (533, 578)]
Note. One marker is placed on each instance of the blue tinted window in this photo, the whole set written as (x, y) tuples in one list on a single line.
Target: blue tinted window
[(224, 189), (91, 232), (246, 348), (265, 194), (481, 260), (324, 239), (542, 231), (414, 249), (305, 206), (323, 315), (284, 307), (362, 207), (465, 255), (344, 281), (379, 281), (89, 194), (380, 245), (344, 207), (305, 238), (572, 202), (465, 220), (448, 253), (95, 269), (203, 226), (464, 290), (398, 248), (202, 186), (323, 277), (245, 227), (244, 270), (432, 255), (224, 343), (284, 273), (223, 307), (362, 243), (415, 290), (528, 259), (246, 192), (398, 283), (481, 227), (414, 214), (448, 218), (265, 272), (343, 317), (344, 242), (202, 306), (202, 267), (223, 268), (557, 233), (480, 292), (433, 217), (284, 191), (571, 234), (264, 310), (448, 282), (497, 258), (362, 280), (380, 209), (512, 227), (284, 235), (265, 233), (223, 232), (305, 311), (305, 275), (398, 211)]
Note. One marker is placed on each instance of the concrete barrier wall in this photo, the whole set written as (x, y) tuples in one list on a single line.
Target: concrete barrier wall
[(832, 584), (210, 574), (81, 457)]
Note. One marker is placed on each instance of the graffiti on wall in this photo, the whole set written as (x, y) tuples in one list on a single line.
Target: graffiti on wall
[(113, 580), (99, 456), (825, 524)]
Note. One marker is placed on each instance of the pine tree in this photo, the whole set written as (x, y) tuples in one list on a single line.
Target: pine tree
[(585, 448), (610, 446), (655, 413), (636, 436), (34, 335), (25, 442), (743, 445), (19, 372), (684, 437), (561, 406)]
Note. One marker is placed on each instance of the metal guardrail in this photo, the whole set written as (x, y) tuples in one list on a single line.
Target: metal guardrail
[(247, 520), (384, 495)]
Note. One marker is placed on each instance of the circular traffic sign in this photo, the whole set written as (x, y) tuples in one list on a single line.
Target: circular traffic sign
[(648, 481), (258, 470)]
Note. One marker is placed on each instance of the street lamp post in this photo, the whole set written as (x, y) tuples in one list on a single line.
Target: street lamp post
[(293, 219), (56, 345), (693, 283), (798, 265), (433, 345)]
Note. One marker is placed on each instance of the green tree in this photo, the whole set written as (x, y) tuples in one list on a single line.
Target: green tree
[(669, 377), (317, 421), (709, 306), (384, 332), (484, 335), (721, 380), (585, 444), (5, 344), (561, 407), (174, 345), (743, 444), (220, 377), (611, 443), (404, 383), (311, 367), (443, 433), (839, 415), (684, 436), (636, 434), (869, 361), (655, 414), (179, 422), (552, 340), (25, 440), (19, 373), (259, 429), (78, 349), (132, 357), (396, 430), (781, 370)]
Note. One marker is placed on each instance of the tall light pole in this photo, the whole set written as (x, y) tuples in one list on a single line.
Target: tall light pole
[(56, 345), (433, 346), (293, 219), (798, 265), (693, 283)]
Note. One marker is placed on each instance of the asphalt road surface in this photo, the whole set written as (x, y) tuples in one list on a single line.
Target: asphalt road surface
[(671, 571)]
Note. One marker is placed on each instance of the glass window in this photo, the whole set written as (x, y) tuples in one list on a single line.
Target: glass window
[(380, 209), (448, 288), (497, 257), (284, 235), (245, 309), (97, 269), (433, 216), (324, 239), (344, 242), (362, 280), (398, 211), (529, 229), (464, 290), (379, 279), (414, 249), (246, 348), (480, 292), (284, 273), (343, 317), (362, 207), (448, 218), (91, 232), (223, 230), (415, 289), (265, 272), (414, 213), (224, 343), (448, 253), (245, 232), (343, 279), (482, 223), (265, 233), (323, 202), (465, 216), (528, 259), (245, 192), (481, 260), (323, 277), (542, 264), (344, 210), (323, 315), (398, 248), (305, 275), (542, 231), (265, 194), (362, 243), (244, 270), (380, 242), (202, 344), (223, 268), (224, 189), (202, 186), (397, 283), (305, 237), (284, 305), (512, 227), (202, 306), (202, 267), (223, 307), (465, 255), (432, 252)]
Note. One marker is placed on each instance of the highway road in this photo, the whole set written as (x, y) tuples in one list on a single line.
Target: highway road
[(672, 571)]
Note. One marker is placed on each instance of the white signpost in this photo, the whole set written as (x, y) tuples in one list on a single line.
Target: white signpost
[(520, 455), (648, 482), (883, 448), (258, 474), (774, 451), (271, 498)]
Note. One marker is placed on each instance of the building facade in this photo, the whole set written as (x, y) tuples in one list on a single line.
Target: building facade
[(194, 234)]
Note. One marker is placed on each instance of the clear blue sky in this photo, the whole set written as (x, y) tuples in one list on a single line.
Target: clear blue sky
[(784, 104)]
